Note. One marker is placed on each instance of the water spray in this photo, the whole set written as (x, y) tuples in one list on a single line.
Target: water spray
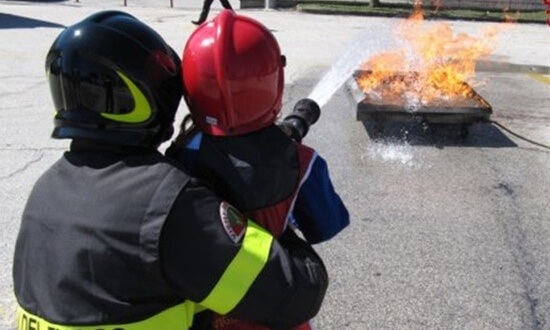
[(360, 48)]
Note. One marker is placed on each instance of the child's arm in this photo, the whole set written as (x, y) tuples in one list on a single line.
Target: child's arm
[(319, 211)]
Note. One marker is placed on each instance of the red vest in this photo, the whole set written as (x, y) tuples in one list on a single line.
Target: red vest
[(275, 217)]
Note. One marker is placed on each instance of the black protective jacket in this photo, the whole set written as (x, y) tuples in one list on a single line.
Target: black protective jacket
[(114, 235)]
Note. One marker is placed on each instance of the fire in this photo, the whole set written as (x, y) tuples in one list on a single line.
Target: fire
[(434, 66)]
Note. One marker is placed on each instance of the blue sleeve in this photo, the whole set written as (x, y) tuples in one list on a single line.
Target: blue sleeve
[(319, 211), (189, 156)]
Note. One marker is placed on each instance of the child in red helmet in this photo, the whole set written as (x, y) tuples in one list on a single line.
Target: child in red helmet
[(233, 80)]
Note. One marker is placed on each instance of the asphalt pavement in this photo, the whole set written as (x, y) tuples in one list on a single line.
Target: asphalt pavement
[(446, 233)]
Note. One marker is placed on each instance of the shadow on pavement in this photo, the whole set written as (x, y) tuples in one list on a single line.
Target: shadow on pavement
[(441, 135), (39, 0), (9, 21)]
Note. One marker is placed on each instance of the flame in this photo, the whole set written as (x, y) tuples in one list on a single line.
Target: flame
[(434, 66)]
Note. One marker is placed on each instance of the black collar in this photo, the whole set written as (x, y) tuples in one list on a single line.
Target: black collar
[(84, 145)]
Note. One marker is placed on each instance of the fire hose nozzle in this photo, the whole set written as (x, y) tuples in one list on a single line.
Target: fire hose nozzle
[(306, 112)]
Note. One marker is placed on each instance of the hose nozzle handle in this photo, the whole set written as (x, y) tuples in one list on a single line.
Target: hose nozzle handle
[(306, 112)]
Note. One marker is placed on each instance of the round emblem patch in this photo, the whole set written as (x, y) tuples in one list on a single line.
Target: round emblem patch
[(233, 221)]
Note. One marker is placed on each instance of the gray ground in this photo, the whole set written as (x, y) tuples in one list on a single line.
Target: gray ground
[(445, 234)]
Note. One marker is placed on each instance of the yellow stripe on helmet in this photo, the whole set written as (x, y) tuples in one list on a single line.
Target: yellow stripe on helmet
[(141, 111)]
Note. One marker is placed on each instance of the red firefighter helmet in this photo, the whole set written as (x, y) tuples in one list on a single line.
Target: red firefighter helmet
[(232, 75)]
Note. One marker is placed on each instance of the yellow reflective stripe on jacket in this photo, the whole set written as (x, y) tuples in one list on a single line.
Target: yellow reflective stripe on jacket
[(242, 271), (179, 317)]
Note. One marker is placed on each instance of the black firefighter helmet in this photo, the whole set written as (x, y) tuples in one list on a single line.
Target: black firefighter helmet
[(115, 80)]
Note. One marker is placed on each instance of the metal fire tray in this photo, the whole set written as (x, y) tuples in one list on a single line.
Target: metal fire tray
[(468, 110)]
